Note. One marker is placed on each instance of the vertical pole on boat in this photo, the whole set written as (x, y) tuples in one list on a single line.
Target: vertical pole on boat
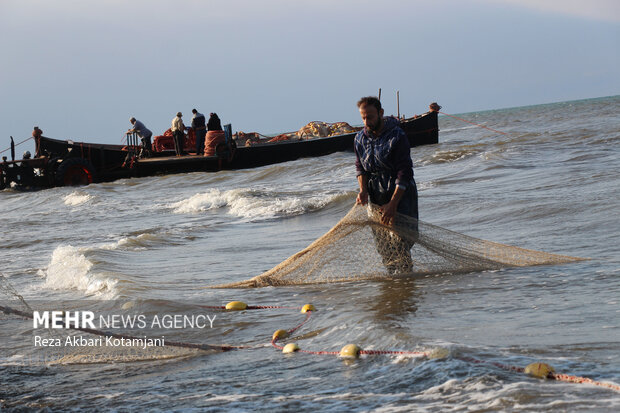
[(379, 93), (398, 103), (12, 149), (131, 143), (135, 142)]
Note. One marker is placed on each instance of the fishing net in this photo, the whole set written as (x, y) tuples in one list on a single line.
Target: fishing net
[(93, 353), (360, 247), (24, 345)]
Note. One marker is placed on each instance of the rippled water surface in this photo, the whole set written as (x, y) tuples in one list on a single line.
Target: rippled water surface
[(152, 244)]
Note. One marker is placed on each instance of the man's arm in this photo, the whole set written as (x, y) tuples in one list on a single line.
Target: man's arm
[(362, 196), (362, 179)]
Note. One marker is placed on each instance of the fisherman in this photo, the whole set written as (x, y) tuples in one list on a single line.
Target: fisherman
[(178, 131), (214, 122), (200, 130), (434, 107), (385, 175), (36, 134), (145, 136)]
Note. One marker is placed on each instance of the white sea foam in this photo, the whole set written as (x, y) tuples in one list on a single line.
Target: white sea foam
[(134, 243), (77, 198), (69, 269), (249, 203), (211, 199)]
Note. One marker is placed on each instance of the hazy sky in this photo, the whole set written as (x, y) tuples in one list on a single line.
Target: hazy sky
[(79, 69)]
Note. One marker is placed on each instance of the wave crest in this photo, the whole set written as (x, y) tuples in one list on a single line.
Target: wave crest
[(76, 198), (70, 269), (251, 203)]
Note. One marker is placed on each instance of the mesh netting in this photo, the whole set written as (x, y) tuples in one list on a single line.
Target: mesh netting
[(23, 345), (94, 354), (359, 247)]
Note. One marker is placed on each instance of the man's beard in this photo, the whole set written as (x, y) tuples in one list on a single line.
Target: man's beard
[(376, 128)]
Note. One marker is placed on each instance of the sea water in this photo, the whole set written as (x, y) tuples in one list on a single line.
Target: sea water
[(150, 245)]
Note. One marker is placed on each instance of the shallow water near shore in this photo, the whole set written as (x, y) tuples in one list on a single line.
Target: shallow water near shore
[(152, 244)]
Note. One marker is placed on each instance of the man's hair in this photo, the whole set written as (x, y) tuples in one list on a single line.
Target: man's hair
[(369, 100), (194, 111)]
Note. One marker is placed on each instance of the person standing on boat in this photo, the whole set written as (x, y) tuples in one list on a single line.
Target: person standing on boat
[(144, 133), (200, 130), (385, 176), (214, 122), (178, 132), (36, 135)]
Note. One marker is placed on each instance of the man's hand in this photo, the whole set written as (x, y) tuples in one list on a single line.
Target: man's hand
[(388, 211), (362, 198)]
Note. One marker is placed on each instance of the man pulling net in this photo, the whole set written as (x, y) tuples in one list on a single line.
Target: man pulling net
[(385, 174), (381, 236)]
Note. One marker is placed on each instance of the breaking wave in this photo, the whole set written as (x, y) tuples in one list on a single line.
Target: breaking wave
[(250, 203), (135, 243), (70, 269), (76, 198)]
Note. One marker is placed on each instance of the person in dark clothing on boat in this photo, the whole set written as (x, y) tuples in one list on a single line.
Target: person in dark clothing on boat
[(214, 122), (385, 176), (200, 130), (178, 132), (145, 136)]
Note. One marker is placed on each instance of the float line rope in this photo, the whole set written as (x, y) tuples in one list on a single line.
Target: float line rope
[(472, 123), (583, 380), (553, 376), (251, 307), (292, 330)]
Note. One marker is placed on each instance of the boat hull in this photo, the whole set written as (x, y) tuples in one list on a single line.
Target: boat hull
[(65, 162)]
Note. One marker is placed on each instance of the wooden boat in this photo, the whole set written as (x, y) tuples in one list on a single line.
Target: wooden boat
[(65, 162)]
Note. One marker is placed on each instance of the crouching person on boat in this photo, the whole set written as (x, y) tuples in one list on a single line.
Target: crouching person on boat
[(385, 175), (145, 136)]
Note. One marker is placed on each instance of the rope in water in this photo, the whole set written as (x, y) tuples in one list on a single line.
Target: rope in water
[(516, 369), (352, 352), (583, 380), (251, 307), (472, 123), (551, 375)]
